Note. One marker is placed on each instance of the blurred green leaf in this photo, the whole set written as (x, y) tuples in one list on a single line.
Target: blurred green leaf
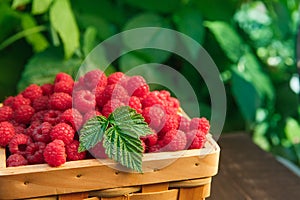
[(40, 6), (9, 20), (155, 37), (37, 40), (43, 67), (129, 61), (163, 6), (245, 95), (89, 40), (228, 39), (63, 21), (17, 3), (292, 130)]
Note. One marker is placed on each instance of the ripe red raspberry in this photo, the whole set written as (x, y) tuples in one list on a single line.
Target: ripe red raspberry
[(19, 100), (174, 140), (90, 115), (137, 86), (62, 76), (6, 113), (110, 106), (183, 124), (115, 78), (42, 133), (8, 101), (150, 140), (72, 151), (195, 139), (39, 116), (155, 116), (111, 92), (135, 103), (95, 78), (18, 144), (15, 160), (201, 124), (33, 125), (52, 116), (47, 89), (170, 123), (55, 153), (19, 129), (79, 85), (32, 92), (64, 86), (98, 151), (152, 99), (40, 103), (84, 101), (72, 117), (23, 114), (154, 148), (60, 101), (62, 131), (7, 132), (34, 152)]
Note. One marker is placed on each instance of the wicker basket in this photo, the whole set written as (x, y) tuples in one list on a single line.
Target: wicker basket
[(185, 178)]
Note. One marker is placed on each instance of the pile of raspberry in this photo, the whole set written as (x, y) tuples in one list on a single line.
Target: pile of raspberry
[(41, 124)]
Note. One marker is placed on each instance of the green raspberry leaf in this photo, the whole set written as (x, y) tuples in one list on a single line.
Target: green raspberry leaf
[(123, 148), (130, 122), (92, 132)]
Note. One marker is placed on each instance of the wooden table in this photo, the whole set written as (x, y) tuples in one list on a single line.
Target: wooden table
[(247, 172)]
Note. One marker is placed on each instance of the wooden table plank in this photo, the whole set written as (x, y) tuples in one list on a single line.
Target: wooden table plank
[(247, 172)]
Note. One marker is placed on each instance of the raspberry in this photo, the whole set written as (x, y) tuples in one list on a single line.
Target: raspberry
[(115, 78), (110, 106), (154, 148), (84, 101), (18, 144), (152, 99), (62, 77), (95, 78), (174, 140), (170, 123), (40, 103), (52, 116), (60, 101), (90, 115), (32, 92), (183, 124), (98, 151), (19, 129), (55, 153), (195, 139), (64, 86), (135, 103), (62, 131), (6, 113), (39, 116), (72, 151), (137, 86), (16, 160), (8, 101), (23, 114), (111, 92), (32, 127), (42, 133), (155, 117), (79, 85), (7, 132), (150, 140), (201, 124), (34, 152), (47, 89), (19, 100), (72, 117)]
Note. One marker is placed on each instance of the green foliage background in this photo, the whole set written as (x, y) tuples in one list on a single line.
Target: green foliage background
[(252, 42)]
